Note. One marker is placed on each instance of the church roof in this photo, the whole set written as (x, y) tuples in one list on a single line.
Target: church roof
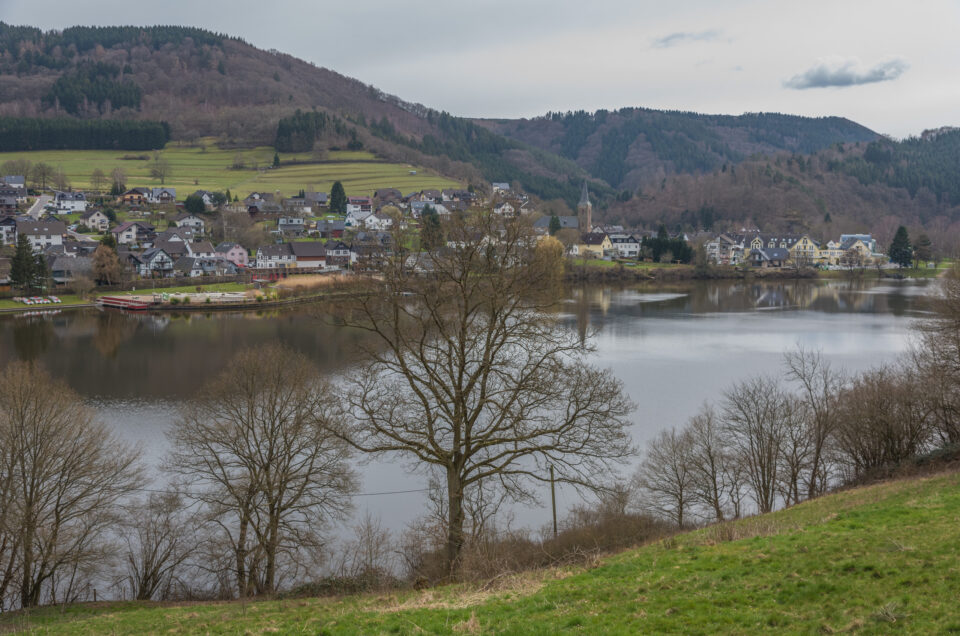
[(584, 195)]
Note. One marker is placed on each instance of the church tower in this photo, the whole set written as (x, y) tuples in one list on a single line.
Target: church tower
[(585, 211)]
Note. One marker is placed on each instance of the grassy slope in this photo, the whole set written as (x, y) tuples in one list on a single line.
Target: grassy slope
[(874, 560), (360, 172)]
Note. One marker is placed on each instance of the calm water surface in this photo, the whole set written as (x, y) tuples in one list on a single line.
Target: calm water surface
[(674, 348)]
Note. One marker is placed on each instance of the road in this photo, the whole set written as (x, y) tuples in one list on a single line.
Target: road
[(37, 208)]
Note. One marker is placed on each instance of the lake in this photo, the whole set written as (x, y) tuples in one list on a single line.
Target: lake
[(673, 347)]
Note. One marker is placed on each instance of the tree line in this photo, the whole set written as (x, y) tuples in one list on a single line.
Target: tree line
[(34, 133)]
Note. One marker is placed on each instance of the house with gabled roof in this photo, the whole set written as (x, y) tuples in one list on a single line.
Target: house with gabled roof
[(70, 201), (95, 220), (233, 252), (41, 233), (276, 256)]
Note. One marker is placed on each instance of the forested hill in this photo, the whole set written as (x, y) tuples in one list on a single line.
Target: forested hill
[(853, 187), (631, 147), (207, 84)]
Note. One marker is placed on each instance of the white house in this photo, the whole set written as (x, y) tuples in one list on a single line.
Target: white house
[(162, 195), (95, 220), (275, 256), (191, 221), (627, 246), (359, 207), (42, 234), (70, 201), (378, 222)]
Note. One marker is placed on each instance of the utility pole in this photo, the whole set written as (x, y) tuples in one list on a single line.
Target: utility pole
[(553, 501)]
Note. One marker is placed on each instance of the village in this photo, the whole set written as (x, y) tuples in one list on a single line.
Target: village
[(155, 235)]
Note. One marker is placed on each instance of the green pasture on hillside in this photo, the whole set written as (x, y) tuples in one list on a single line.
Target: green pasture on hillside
[(875, 560), (209, 168)]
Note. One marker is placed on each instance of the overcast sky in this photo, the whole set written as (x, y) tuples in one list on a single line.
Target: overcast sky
[(890, 65)]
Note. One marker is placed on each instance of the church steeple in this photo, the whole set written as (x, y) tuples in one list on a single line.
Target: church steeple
[(585, 210)]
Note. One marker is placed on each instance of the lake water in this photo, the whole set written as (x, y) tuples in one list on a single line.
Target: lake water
[(673, 347)]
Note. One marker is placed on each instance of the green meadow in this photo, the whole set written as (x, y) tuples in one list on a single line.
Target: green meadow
[(210, 168), (874, 560)]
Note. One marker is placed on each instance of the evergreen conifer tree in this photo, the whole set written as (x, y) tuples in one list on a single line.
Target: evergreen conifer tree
[(554, 224), (338, 199), (900, 251), (23, 264)]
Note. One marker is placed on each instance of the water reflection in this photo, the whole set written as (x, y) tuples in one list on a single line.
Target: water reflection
[(673, 347)]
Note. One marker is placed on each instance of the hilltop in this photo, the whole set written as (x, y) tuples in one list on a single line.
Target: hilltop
[(631, 147), (872, 560)]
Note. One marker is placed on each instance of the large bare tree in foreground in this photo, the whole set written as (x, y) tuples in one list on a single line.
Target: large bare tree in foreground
[(258, 449), (61, 477), (469, 372)]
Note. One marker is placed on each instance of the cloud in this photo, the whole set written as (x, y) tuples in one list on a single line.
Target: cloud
[(682, 37), (847, 73)]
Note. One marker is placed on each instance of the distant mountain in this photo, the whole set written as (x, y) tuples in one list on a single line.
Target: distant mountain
[(631, 147)]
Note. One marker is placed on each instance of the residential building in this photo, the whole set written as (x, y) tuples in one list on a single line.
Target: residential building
[(292, 225), (593, 245), (769, 257), (135, 196), (309, 254), (236, 254), (95, 220), (196, 223), (626, 245), (162, 196), (155, 263), (70, 201), (42, 233), (277, 256)]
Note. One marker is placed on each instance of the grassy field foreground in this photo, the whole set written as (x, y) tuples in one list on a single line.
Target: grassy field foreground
[(876, 560)]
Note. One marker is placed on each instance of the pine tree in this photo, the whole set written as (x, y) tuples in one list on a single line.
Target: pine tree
[(338, 199), (23, 264), (276, 160), (900, 251), (554, 224), (41, 272), (431, 234)]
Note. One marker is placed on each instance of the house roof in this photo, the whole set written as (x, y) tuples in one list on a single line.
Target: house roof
[(225, 247), (41, 227), (308, 249), (773, 253), (593, 238), (204, 247), (566, 222), (187, 215), (274, 250)]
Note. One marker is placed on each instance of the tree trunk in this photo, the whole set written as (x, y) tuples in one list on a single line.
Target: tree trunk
[(454, 520), (242, 559)]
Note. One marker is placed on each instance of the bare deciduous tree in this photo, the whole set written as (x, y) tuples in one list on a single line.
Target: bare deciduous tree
[(258, 448), (160, 168), (753, 413), (819, 386), (158, 537), (118, 180), (884, 419), (64, 474), (471, 375), (97, 180), (665, 478), (937, 359), (710, 462)]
